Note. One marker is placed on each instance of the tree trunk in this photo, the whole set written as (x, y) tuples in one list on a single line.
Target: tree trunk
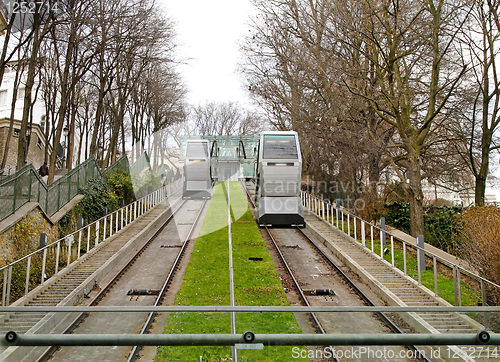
[(30, 80), (416, 194), (11, 123)]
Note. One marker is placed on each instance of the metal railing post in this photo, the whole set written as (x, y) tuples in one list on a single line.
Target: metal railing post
[(97, 233), (44, 263), (28, 272), (421, 251), (382, 232), (337, 211), (68, 239), (392, 250), (363, 236), (455, 284), (459, 284), (4, 288), (9, 281), (58, 251), (332, 208), (88, 238), (104, 228), (419, 268), (434, 264), (371, 232), (404, 257), (111, 224), (79, 243)]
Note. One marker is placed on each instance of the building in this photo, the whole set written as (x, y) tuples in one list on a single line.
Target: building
[(37, 145), (37, 141)]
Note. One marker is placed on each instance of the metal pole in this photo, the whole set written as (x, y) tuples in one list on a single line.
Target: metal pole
[(459, 287), (4, 288), (79, 243), (371, 236), (382, 232), (434, 264), (231, 271), (392, 250), (480, 338), (9, 281), (58, 251), (455, 283), (421, 251), (363, 233), (404, 257), (44, 263), (28, 272), (97, 233)]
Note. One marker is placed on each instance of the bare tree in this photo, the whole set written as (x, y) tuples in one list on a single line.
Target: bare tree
[(480, 49), (410, 46), (40, 22), (225, 118)]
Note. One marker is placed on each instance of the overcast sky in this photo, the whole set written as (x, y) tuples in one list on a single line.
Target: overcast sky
[(208, 33)]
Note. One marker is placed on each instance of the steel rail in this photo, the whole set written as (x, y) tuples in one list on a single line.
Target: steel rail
[(166, 283), (289, 271), (105, 289), (358, 291), (389, 323)]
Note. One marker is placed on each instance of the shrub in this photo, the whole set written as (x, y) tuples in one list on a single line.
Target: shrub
[(120, 184), (97, 197), (440, 222), (478, 242)]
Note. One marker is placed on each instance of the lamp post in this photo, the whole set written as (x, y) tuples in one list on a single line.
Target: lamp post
[(100, 155), (66, 148), (28, 135)]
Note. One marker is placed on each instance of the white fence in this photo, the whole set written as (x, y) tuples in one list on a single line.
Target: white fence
[(366, 232)]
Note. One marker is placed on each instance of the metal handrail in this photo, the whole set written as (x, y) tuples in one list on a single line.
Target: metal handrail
[(317, 206), (243, 340)]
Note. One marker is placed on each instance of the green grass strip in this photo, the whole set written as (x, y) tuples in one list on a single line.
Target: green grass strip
[(206, 282)]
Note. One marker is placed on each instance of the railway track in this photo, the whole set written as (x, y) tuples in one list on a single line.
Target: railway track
[(67, 289), (320, 292), (144, 270)]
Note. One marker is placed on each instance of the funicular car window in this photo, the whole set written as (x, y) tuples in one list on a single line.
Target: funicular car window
[(280, 147), (195, 149)]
